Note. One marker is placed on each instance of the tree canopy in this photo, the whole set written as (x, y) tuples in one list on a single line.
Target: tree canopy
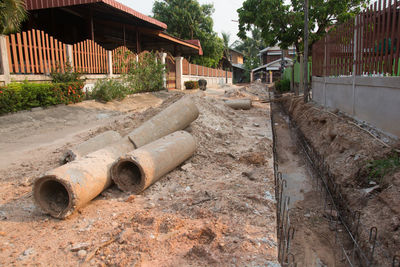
[(283, 24), (187, 19), (12, 14)]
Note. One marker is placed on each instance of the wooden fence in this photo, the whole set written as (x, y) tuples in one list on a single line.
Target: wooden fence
[(197, 70), (34, 52), (90, 58), (366, 45), (122, 57)]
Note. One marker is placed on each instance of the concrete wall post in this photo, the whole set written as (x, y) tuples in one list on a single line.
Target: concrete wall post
[(110, 63), (163, 60), (70, 56), (179, 72), (5, 67), (251, 76)]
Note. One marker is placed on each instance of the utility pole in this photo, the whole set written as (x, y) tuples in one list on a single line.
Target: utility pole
[(305, 72)]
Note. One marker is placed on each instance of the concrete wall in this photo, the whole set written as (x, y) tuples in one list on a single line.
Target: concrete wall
[(375, 100), (210, 80)]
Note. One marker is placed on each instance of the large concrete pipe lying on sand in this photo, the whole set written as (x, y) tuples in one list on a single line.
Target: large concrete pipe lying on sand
[(142, 167), (91, 145), (67, 188), (239, 103), (175, 117)]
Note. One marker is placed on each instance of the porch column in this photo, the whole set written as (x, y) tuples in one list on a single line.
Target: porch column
[(4, 59), (178, 73), (270, 77), (163, 57)]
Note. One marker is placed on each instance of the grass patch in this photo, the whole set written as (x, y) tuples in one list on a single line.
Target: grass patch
[(378, 169)]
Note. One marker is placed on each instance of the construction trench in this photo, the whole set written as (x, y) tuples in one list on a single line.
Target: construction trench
[(231, 181)]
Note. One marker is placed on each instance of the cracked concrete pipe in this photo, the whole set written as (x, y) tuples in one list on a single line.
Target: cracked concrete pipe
[(65, 189), (176, 117), (91, 145), (239, 103), (142, 167)]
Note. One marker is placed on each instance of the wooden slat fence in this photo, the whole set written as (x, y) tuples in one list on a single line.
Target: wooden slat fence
[(35, 52), (122, 59), (90, 58), (366, 45)]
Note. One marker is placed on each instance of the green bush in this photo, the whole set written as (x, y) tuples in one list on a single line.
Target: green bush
[(191, 84), (21, 96), (146, 75), (66, 76), (109, 89), (282, 85)]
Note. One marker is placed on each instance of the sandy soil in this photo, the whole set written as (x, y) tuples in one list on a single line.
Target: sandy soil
[(217, 209), (347, 149)]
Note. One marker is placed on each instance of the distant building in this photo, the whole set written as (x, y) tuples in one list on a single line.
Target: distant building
[(271, 60), (235, 62)]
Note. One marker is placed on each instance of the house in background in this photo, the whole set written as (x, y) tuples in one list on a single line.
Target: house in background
[(234, 61), (93, 36), (271, 63)]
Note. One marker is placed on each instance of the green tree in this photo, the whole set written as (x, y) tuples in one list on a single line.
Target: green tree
[(187, 19), (283, 24), (12, 14)]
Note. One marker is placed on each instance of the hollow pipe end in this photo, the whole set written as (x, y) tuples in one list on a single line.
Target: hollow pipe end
[(53, 196), (128, 175)]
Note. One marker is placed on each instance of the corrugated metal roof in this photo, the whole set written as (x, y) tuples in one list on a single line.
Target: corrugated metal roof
[(41, 4)]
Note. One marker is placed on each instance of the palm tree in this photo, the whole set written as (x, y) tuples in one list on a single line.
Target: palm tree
[(12, 14), (226, 38)]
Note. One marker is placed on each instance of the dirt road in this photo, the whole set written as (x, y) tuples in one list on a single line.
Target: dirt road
[(216, 209)]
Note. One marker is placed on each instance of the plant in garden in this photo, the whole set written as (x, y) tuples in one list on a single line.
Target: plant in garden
[(282, 85), (109, 89), (59, 75), (21, 96), (191, 84), (145, 75)]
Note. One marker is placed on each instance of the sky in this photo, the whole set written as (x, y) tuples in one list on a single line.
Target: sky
[(225, 12)]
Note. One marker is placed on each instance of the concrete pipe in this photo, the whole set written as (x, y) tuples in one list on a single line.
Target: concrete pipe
[(142, 167), (239, 103), (176, 117), (91, 145), (65, 189)]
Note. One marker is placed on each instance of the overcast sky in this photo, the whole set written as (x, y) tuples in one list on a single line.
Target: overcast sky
[(225, 12)]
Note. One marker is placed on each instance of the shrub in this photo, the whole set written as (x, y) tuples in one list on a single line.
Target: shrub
[(282, 85), (21, 96), (66, 76), (192, 85), (146, 75), (109, 89)]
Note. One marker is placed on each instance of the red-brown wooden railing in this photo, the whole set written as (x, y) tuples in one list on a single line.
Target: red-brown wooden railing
[(34, 52), (90, 58), (122, 57), (366, 45)]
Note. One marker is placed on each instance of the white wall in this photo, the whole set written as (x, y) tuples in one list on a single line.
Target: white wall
[(375, 100), (210, 80)]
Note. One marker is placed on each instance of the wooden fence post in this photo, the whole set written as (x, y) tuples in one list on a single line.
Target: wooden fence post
[(4, 64)]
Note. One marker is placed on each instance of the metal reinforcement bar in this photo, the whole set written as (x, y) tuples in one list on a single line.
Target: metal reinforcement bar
[(142, 167), (65, 189), (285, 231)]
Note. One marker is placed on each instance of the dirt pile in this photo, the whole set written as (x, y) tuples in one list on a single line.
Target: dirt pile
[(348, 150), (206, 212)]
